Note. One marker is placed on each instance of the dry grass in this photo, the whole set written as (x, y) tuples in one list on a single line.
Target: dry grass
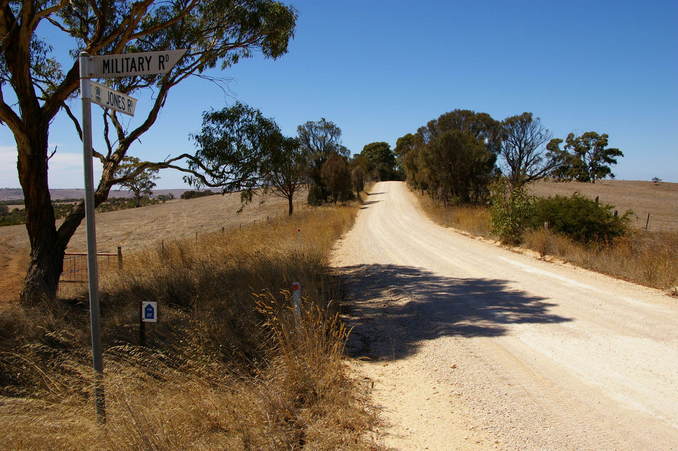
[(226, 367), (659, 200), (140, 228), (648, 258), (469, 218)]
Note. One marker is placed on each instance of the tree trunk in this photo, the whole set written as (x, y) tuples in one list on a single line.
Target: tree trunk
[(290, 206), (47, 243), (47, 249)]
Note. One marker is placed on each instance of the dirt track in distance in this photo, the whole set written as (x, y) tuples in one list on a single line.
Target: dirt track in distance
[(471, 346)]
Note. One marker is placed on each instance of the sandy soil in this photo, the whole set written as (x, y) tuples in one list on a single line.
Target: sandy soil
[(471, 346), (659, 200), (137, 228)]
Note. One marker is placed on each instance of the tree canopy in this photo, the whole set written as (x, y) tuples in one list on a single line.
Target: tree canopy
[(453, 157), (381, 161), (320, 140), (140, 184), (522, 149), (584, 158)]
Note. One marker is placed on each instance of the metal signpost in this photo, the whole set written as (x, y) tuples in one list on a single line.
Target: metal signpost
[(107, 66)]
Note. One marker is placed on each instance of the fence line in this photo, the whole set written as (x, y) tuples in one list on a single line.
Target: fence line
[(75, 265)]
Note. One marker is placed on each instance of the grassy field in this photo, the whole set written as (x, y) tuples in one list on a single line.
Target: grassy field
[(137, 229), (226, 367), (659, 200), (646, 257)]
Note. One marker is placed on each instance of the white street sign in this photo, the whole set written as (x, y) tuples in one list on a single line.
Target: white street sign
[(131, 64), (149, 312), (114, 100)]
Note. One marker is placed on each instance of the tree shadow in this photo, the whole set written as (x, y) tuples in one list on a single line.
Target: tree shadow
[(369, 202), (393, 309)]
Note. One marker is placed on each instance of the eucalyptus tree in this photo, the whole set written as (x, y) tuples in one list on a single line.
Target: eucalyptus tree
[(522, 149), (140, 184), (319, 140), (35, 85), (239, 148), (584, 158), (381, 160), (284, 168)]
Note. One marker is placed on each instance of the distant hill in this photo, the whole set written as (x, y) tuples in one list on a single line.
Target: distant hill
[(59, 194)]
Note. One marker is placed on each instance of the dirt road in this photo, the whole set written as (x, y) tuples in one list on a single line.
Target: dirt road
[(472, 346)]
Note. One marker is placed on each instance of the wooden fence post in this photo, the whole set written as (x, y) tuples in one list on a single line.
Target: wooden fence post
[(119, 257), (647, 222)]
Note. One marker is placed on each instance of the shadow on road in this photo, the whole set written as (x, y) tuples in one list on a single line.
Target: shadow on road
[(368, 202), (392, 309)]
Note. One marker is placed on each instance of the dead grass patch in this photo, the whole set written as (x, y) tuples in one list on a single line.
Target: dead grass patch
[(226, 367)]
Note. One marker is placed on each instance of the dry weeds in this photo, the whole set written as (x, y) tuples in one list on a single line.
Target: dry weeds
[(226, 366)]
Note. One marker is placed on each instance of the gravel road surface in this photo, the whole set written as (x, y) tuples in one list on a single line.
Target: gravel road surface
[(472, 346)]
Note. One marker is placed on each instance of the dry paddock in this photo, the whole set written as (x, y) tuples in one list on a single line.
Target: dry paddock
[(139, 228), (659, 200)]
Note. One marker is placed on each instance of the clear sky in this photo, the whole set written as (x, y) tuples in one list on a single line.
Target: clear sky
[(380, 69)]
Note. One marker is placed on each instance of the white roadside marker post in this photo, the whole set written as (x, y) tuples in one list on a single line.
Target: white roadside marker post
[(296, 301), (92, 269)]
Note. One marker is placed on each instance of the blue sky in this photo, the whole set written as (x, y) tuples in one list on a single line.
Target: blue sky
[(380, 69)]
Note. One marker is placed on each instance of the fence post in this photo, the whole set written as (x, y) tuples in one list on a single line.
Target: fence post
[(647, 222), (119, 257)]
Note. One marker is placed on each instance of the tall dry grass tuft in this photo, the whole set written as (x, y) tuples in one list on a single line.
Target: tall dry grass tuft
[(469, 218), (227, 366), (648, 258)]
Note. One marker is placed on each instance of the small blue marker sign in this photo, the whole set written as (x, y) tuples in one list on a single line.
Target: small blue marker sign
[(149, 312)]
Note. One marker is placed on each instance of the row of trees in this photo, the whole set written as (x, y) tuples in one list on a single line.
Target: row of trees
[(239, 141), (455, 157)]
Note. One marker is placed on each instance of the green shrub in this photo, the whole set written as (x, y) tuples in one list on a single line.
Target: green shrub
[(511, 209), (316, 195), (193, 194), (580, 218)]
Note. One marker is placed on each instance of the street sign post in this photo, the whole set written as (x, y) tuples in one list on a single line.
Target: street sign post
[(133, 64), (107, 98), (107, 66)]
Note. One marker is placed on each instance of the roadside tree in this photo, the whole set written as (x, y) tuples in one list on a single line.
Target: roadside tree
[(459, 168), (381, 161), (522, 151), (584, 158), (336, 176), (140, 184), (358, 180), (217, 32), (284, 169), (319, 139)]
